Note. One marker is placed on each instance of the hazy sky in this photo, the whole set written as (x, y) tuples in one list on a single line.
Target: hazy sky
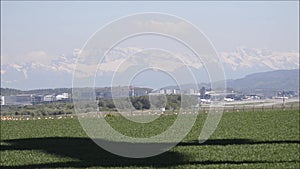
[(59, 27)]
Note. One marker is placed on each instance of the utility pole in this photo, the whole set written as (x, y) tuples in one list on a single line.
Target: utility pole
[(283, 99)]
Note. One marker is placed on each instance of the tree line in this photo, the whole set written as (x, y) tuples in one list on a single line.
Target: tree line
[(45, 109), (169, 102)]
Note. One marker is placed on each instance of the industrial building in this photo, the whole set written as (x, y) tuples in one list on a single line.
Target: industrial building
[(16, 100)]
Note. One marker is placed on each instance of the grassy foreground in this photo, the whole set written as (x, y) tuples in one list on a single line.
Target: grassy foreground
[(242, 140)]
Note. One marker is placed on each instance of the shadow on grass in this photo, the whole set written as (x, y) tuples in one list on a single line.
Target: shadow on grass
[(225, 142), (86, 153)]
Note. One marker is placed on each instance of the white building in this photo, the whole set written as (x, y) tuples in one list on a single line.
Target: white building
[(228, 99), (16, 100), (62, 96), (2, 100), (192, 91), (66, 95), (169, 91), (49, 98), (162, 91)]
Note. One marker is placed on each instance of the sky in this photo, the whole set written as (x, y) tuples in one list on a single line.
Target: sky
[(59, 27)]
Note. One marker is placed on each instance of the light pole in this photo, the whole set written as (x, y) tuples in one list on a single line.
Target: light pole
[(283, 99)]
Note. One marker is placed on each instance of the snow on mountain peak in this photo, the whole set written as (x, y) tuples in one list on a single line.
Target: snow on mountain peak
[(236, 64), (247, 58)]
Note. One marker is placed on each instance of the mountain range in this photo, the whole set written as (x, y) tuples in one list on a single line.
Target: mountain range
[(271, 80), (57, 72), (265, 83)]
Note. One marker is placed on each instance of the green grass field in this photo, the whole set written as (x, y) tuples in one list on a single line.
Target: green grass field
[(242, 140)]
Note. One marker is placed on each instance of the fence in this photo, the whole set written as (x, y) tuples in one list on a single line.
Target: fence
[(202, 109), (249, 108)]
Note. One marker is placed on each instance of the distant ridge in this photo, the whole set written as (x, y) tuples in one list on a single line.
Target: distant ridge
[(9, 91), (271, 80)]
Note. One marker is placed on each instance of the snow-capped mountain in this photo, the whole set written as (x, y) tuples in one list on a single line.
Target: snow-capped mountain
[(245, 61), (57, 71), (36, 74)]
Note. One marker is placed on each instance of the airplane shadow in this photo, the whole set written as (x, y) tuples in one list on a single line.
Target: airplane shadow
[(87, 154)]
